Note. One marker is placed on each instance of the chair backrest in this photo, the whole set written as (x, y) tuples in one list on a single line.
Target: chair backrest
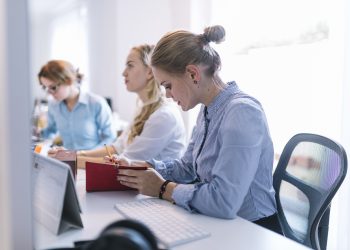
[(309, 172)]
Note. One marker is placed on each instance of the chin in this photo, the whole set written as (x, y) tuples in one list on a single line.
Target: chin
[(185, 108), (57, 98)]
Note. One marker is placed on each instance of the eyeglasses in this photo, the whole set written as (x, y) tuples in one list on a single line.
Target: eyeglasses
[(51, 89)]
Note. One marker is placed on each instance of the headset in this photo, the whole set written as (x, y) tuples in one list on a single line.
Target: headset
[(120, 235)]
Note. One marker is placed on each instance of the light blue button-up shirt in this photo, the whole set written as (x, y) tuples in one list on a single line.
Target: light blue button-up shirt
[(234, 167), (87, 126)]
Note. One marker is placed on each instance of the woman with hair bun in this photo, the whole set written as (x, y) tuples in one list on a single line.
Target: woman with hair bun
[(82, 119), (227, 168)]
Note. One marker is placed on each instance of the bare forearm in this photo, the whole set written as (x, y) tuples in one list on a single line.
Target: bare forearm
[(99, 152)]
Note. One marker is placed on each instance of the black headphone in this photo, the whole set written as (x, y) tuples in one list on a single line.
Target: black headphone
[(121, 235)]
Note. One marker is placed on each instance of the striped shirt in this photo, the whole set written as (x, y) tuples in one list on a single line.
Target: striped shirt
[(226, 170)]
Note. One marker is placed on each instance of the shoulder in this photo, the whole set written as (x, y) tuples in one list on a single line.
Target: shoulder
[(243, 103), (244, 114), (53, 104), (92, 97), (93, 100), (167, 111)]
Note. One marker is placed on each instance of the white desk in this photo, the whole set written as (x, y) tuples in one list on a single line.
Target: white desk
[(98, 212)]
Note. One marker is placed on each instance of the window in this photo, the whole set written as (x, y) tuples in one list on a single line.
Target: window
[(288, 54), (69, 39)]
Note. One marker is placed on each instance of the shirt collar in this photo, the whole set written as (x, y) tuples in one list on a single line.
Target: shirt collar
[(229, 90), (83, 97)]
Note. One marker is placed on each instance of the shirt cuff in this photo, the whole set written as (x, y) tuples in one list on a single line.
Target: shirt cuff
[(183, 194), (162, 168)]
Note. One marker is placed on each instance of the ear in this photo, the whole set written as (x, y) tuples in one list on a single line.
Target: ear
[(193, 72), (149, 73), (68, 81)]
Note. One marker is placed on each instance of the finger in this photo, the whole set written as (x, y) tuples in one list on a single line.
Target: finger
[(52, 152), (127, 178), (129, 184), (131, 172), (108, 159)]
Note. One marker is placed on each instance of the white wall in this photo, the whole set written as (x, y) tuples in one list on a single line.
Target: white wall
[(102, 47), (342, 239), (15, 163), (115, 27), (41, 35)]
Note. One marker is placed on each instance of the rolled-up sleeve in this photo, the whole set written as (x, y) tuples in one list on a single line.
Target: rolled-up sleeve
[(178, 172)]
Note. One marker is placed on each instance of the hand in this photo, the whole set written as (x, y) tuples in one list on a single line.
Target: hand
[(37, 131), (148, 181), (53, 151), (119, 161)]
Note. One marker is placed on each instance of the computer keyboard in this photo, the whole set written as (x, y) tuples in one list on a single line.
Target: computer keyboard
[(168, 225)]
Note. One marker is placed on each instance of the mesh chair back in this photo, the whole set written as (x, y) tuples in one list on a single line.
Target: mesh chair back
[(310, 170)]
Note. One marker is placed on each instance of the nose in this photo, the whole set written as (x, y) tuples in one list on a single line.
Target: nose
[(124, 73)]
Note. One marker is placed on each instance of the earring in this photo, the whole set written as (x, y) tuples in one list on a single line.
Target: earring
[(195, 81)]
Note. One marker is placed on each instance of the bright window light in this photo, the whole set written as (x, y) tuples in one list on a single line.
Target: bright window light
[(69, 40)]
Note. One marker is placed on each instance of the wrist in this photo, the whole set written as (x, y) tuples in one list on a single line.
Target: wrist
[(81, 153), (166, 190), (162, 189), (137, 163)]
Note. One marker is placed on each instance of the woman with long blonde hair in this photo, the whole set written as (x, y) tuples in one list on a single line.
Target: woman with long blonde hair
[(157, 131)]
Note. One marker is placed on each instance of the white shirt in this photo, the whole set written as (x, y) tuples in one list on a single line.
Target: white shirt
[(163, 136)]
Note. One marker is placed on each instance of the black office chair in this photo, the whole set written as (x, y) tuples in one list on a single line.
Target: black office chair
[(309, 172)]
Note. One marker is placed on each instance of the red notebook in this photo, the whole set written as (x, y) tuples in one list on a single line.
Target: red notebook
[(103, 177)]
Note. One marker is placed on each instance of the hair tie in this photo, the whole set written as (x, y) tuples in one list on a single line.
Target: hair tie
[(206, 40)]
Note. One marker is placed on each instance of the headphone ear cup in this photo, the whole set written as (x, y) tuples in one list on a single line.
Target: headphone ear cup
[(141, 228), (110, 235), (118, 239)]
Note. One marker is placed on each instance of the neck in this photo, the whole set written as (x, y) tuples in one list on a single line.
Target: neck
[(72, 99), (143, 95), (210, 90)]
